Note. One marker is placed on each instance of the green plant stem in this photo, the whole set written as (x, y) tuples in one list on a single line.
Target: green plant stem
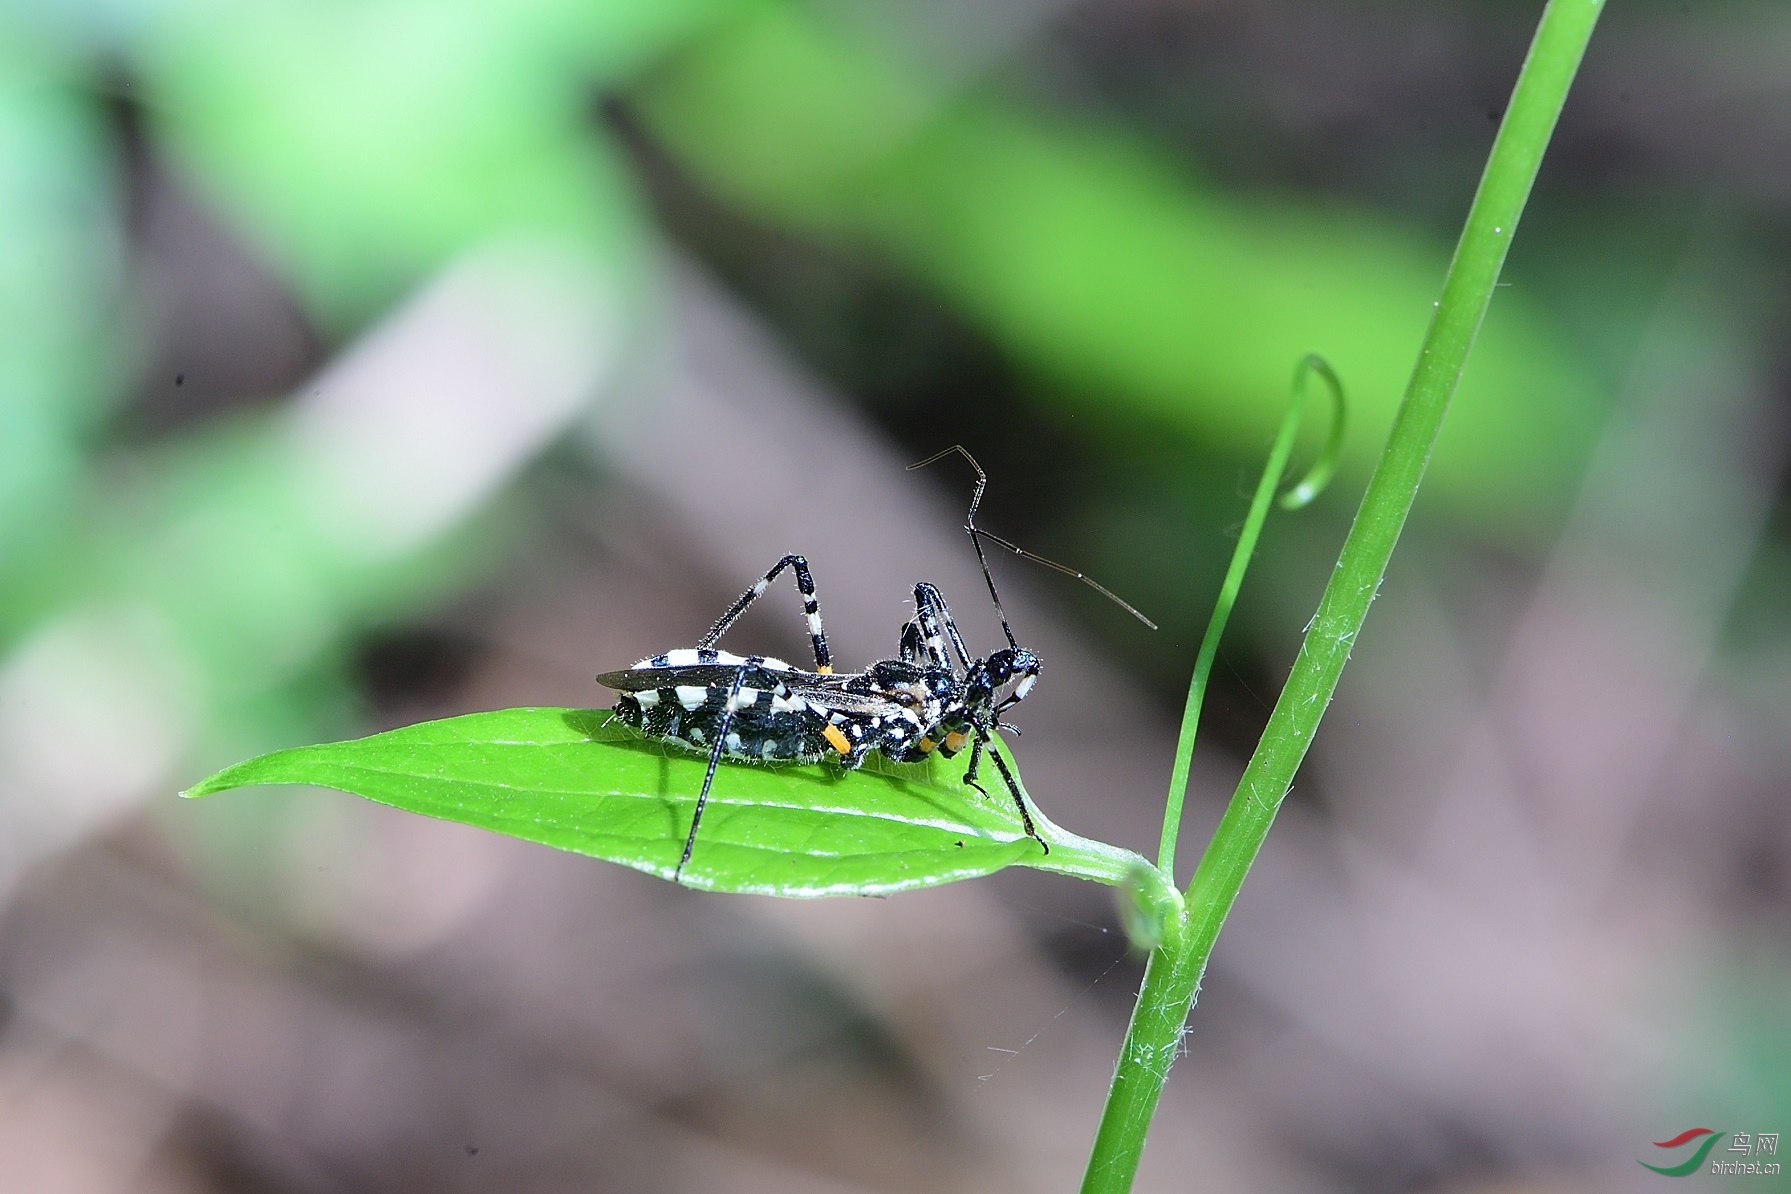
[(1173, 974)]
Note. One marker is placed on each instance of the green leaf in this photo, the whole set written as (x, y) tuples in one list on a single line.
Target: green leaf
[(571, 779)]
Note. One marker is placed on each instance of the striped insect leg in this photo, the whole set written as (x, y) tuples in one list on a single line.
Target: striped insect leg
[(721, 737), (1014, 789), (937, 625), (811, 609)]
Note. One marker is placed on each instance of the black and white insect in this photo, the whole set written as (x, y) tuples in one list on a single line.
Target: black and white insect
[(934, 696)]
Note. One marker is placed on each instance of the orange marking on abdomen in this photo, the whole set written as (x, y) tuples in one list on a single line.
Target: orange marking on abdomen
[(836, 739)]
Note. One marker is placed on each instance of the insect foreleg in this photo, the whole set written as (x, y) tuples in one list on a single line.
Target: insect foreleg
[(976, 761), (1014, 788)]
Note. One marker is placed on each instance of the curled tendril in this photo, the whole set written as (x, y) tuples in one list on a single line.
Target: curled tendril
[(1307, 488), (1325, 467)]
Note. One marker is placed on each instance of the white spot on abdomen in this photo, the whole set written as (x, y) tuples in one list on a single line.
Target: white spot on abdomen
[(690, 657)]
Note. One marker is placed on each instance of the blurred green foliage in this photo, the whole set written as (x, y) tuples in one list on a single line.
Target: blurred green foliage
[(365, 145), (59, 279), (359, 148), (1153, 301)]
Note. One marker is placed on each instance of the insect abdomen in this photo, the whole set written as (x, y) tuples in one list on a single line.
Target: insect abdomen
[(767, 726)]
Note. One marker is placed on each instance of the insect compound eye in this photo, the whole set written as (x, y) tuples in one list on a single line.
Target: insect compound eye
[(1018, 667)]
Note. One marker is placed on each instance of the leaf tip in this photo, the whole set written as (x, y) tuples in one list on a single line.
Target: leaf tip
[(206, 786)]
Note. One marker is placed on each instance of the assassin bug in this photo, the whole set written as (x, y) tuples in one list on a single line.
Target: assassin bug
[(933, 697)]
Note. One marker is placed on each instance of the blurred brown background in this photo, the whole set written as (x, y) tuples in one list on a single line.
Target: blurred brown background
[(362, 364)]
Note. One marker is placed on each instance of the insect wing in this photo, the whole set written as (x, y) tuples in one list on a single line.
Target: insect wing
[(828, 698), (696, 675)]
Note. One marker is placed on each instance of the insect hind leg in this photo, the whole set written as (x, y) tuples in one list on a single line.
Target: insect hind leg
[(811, 610), (914, 645), (937, 626)]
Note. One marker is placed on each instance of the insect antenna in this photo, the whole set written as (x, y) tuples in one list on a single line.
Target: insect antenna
[(977, 535)]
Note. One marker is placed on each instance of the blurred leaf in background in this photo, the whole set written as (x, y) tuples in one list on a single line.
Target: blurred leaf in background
[(361, 152), (1147, 298)]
